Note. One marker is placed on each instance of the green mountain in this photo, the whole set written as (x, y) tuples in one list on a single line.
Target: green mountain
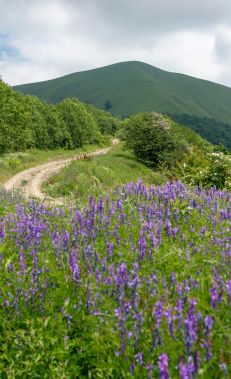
[(131, 87)]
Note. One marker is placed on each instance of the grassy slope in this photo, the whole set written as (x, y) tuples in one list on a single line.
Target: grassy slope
[(98, 175), (135, 86)]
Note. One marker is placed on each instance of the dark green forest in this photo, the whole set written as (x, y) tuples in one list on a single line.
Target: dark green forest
[(27, 122), (215, 131)]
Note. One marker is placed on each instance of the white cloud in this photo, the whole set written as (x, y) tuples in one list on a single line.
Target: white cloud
[(55, 37)]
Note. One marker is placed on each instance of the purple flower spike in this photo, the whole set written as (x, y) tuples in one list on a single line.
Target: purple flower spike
[(228, 287), (74, 267), (163, 366), (187, 370), (158, 313)]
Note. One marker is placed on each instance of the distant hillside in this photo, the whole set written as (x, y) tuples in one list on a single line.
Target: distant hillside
[(130, 87), (210, 129)]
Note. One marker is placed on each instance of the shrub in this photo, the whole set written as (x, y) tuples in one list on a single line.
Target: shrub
[(153, 139), (206, 170)]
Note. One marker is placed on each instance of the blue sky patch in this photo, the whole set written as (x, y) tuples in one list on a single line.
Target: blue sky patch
[(6, 50)]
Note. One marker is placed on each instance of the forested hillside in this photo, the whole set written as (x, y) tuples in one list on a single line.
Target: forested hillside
[(212, 130), (27, 122)]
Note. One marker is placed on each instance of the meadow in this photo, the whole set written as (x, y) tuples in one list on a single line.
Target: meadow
[(134, 285), (98, 176)]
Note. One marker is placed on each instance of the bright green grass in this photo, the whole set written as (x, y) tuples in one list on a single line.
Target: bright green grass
[(98, 175), (12, 163)]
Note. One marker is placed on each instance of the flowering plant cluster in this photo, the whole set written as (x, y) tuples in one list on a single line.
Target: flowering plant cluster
[(208, 170), (133, 286)]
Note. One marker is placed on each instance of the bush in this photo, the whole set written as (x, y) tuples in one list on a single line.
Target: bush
[(207, 170), (153, 139)]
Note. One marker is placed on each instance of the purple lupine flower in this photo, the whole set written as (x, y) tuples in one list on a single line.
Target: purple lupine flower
[(179, 308), (74, 267), (142, 245), (173, 278), (34, 272), (158, 313), (163, 366), (98, 276), (132, 368), (170, 318), (140, 358), (203, 231), (22, 263), (186, 370), (168, 228), (2, 231), (214, 295), (228, 287), (190, 323), (208, 321)]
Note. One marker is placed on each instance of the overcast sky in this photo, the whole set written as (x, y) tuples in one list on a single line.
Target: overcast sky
[(44, 39)]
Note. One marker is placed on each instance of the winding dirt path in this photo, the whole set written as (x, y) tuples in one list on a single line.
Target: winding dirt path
[(30, 181)]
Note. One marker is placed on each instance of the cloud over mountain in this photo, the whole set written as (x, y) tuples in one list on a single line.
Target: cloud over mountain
[(44, 39)]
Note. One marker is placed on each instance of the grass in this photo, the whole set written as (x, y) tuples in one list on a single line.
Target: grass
[(98, 175), (12, 163)]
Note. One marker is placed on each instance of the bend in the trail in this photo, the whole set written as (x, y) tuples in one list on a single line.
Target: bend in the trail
[(30, 181)]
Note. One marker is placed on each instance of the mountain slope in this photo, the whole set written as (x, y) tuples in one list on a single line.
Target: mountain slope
[(135, 86)]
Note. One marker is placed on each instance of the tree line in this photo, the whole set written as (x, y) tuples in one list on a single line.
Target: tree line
[(27, 122)]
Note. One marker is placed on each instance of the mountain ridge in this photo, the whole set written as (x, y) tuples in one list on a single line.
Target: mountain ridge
[(135, 86)]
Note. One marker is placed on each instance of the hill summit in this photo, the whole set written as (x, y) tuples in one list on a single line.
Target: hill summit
[(130, 87)]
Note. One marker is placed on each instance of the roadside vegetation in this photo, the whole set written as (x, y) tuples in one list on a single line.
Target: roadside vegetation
[(99, 175), (12, 163), (29, 123), (155, 149), (162, 144)]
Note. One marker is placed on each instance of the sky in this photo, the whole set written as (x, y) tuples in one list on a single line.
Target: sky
[(44, 39)]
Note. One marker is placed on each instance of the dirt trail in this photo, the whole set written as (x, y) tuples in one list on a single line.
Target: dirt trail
[(30, 181)]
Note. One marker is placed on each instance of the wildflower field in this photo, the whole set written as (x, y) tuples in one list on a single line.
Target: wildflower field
[(135, 285)]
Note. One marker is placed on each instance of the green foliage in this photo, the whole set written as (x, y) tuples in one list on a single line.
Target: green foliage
[(81, 124), (215, 131), (106, 122), (206, 170), (153, 139), (26, 122), (99, 175)]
